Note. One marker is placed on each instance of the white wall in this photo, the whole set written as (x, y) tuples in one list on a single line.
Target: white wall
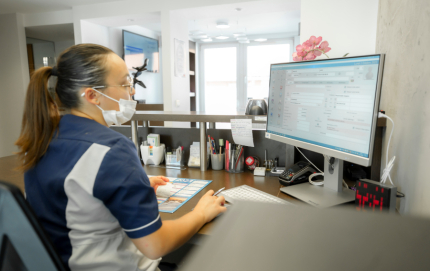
[(153, 93), (349, 26), (404, 37), (94, 33), (14, 78), (60, 46), (175, 89)]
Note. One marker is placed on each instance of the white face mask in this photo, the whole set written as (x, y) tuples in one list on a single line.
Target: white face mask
[(127, 108)]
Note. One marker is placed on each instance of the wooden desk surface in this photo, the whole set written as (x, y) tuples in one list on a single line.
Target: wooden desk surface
[(220, 179)]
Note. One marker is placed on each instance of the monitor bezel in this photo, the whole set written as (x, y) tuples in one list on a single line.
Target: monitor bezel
[(364, 161)]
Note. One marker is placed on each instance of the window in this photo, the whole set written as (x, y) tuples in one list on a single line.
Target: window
[(230, 73)]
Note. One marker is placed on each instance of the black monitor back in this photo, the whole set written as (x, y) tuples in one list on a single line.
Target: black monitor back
[(24, 244)]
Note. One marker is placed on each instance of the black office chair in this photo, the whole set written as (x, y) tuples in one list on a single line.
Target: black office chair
[(24, 244)]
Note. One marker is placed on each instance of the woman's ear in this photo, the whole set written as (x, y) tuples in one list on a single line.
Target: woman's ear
[(91, 96)]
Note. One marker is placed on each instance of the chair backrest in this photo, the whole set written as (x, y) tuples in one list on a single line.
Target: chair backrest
[(23, 243)]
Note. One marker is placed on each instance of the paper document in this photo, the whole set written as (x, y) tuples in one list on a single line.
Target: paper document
[(177, 192), (241, 129)]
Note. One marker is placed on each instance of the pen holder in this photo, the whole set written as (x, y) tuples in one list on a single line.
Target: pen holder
[(217, 161), (234, 162), (152, 155)]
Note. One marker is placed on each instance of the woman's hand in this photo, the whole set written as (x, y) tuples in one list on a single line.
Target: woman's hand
[(157, 181), (210, 206)]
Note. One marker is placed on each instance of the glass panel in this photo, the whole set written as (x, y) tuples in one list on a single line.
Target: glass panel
[(259, 59), (220, 79)]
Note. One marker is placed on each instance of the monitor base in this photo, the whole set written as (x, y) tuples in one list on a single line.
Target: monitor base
[(319, 196)]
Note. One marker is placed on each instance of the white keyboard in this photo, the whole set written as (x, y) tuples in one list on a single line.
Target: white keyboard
[(248, 193)]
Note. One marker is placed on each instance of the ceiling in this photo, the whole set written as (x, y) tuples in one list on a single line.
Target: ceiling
[(36, 6), (55, 33), (255, 18)]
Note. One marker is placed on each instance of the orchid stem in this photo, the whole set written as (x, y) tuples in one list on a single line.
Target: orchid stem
[(327, 56)]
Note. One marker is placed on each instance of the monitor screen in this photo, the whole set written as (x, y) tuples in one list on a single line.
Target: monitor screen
[(137, 48), (326, 103)]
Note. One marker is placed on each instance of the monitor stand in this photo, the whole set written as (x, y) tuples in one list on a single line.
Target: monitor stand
[(329, 194)]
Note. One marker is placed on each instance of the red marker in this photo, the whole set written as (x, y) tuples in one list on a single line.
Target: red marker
[(227, 161)]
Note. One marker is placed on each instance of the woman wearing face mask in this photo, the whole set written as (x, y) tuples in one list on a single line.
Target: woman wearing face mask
[(84, 180)]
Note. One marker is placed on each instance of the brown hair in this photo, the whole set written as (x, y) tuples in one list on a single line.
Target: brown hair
[(79, 66)]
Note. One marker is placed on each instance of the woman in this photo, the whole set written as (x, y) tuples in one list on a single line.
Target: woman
[(84, 180)]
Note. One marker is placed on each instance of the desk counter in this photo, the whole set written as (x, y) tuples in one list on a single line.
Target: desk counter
[(220, 179)]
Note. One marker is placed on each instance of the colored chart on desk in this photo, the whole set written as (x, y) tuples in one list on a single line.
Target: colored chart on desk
[(182, 191)]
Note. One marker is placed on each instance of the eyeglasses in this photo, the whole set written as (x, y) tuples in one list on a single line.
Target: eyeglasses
[(129, 87)]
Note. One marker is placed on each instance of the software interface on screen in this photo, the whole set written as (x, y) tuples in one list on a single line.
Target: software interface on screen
[(328, 103)]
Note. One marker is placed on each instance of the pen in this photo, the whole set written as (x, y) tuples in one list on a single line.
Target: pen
[(219, 191)]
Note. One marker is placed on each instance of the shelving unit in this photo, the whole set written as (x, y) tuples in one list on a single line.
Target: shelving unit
[(192, 55), (202, 117)]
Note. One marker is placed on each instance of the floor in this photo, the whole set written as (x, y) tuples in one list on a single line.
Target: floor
[(9, 174)]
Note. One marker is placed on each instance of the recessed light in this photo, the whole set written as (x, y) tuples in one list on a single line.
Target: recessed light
[(222, 37), (260, 39), (239, 34), (242, 38), (243, 41), (201, 36), (238, 9), (206, 40), (130, 20), (222, 25)]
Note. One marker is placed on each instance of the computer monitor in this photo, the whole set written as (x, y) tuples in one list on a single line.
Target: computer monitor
[(329, 106)]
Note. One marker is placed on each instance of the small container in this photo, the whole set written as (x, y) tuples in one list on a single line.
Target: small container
[(217, 161), (152, 155), (231, 164), (175, 158)]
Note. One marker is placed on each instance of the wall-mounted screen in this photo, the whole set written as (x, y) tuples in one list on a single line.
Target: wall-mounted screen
[(137, 48)]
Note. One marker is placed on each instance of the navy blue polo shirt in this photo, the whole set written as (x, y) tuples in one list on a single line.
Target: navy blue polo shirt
[(91, 195)]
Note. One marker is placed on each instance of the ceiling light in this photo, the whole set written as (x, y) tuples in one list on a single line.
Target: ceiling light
[(196, 32), (238, 9), (242, 38), (206, 40), (222, 37), (201, 36), (130, 20), (260, 40), (222, 25), (239, 34), (243, 41)]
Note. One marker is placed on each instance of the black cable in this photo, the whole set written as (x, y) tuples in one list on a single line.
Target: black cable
[(400, 195)]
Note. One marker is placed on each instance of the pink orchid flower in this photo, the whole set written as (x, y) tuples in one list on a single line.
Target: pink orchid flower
[(324, 47)]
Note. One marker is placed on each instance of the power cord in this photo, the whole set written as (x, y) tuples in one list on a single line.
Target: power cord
[(330, 160), (388, 165)]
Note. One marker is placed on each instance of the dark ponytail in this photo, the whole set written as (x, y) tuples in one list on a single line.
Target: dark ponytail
[(40, 120), (79, 66)]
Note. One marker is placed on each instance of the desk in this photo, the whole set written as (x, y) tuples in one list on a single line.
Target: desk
[(220, 179)]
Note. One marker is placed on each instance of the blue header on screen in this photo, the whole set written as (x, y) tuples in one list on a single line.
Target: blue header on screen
[(327, 63)]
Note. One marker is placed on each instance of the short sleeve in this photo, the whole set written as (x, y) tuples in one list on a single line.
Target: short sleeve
[(125, 190)]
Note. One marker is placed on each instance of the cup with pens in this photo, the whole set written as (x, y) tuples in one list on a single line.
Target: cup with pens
[(234, 158), (217, 156)]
